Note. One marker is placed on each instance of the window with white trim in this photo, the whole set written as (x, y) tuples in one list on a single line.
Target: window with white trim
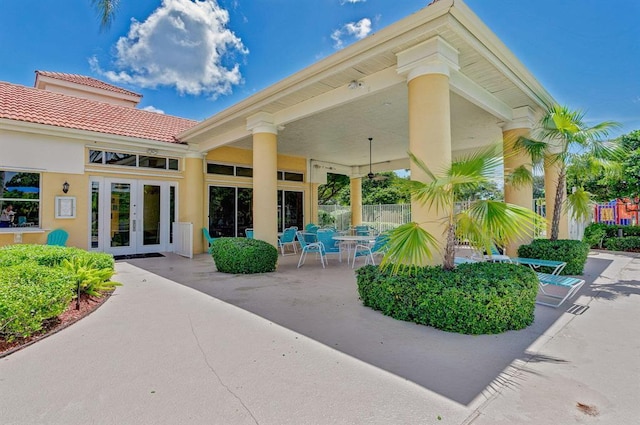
[(20, 199)]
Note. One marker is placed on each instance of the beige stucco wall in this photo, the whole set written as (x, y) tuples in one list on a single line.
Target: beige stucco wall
[(244, 157)]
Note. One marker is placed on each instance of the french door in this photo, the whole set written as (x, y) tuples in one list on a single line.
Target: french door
[(132, 216)]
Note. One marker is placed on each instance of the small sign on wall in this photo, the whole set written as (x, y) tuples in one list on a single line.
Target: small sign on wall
[(65, 207)]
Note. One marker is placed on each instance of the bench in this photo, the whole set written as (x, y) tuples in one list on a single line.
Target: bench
[(536, 263), (570, 284)]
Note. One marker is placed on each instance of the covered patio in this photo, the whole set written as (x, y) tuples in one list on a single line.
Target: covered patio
[(438, 83)]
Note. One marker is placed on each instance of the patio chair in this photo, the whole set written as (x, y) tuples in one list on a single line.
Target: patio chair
[(494, 256), (248, 233), (288, 238), (331, 246), (379, 247), (536, 263), (564, 283), (463, 260), (306, 247), (58, 237), (210, 240)]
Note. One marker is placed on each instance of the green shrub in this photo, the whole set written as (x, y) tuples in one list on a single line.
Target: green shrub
[(30, 294), (242, 255), (51, 256), (629, 244), (89, 277), (480, 298), (574, 253), (594, 234)]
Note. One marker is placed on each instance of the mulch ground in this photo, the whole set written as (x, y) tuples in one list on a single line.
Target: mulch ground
[(71, 315)]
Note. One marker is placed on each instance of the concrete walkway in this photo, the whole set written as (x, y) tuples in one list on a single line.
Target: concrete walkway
[(301, 349)]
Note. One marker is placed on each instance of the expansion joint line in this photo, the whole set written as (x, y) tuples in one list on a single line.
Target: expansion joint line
[(206, 360)]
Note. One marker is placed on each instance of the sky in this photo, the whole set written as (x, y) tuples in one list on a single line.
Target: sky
[(195, 58)]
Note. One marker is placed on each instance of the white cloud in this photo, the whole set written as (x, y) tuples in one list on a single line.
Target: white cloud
[(357, 30), (152, 109), (183, 43), (352, 1)]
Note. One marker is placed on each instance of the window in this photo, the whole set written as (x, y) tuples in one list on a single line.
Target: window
[(132, 160), (20, 199), (238, 171)]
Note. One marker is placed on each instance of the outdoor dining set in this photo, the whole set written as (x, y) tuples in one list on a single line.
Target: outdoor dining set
[(357, 241)]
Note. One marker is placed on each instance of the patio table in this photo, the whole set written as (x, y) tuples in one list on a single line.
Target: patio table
[(351, 240)]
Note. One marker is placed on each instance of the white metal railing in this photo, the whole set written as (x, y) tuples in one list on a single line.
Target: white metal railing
[(387, 216)]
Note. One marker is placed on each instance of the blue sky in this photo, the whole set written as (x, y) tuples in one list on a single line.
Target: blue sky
[(585, 52)]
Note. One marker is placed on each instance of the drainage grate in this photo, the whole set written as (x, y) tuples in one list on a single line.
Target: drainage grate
[(577, 309)]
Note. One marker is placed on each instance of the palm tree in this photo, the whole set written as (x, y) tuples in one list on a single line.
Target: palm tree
[(484, 222), (561, 136), (106, 10)]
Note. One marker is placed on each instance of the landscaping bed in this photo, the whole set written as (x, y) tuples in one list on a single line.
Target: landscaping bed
[(479, 298), (44, 288)]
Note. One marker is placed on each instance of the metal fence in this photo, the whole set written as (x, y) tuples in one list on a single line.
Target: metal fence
[(388, 216)]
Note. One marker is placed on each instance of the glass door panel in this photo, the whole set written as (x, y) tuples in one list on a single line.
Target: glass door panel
[(245, 210), (150, 214), (121, 215), (95, 214), (293, 210), (222, 211)]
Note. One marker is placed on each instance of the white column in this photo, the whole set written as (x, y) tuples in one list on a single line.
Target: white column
[(522, 196), (427, 67), (265, 181)]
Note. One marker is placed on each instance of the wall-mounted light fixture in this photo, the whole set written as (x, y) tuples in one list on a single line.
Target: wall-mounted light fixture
[(65, 187)]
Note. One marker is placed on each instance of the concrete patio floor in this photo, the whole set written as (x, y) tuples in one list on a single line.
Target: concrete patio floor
[(302, 349)]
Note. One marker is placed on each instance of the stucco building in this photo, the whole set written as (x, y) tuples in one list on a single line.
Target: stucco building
[(438, 83)]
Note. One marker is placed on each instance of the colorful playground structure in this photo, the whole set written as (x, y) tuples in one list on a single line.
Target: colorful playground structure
[(623, 212)]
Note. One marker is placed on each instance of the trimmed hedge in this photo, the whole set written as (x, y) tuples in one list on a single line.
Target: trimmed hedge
[(629, 244), (574, 253), (51, 256), (244, 256), (479, 298), (37, 282), (30, 294)]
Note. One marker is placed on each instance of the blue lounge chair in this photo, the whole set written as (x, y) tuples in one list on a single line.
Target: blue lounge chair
[(570, 285), (536, 263), (58, 237), (248, 233)]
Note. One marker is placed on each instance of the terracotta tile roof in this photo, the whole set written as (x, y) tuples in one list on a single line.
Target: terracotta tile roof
[(28, 104), (86, 81)]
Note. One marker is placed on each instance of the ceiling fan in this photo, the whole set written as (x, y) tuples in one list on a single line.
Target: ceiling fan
[(372, 176)]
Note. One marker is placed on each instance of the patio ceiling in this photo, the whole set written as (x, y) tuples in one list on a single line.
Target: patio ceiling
[(320, 117)]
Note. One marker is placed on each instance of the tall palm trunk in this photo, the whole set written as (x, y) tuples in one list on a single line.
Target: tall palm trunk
[(450, 248), (557, 204)]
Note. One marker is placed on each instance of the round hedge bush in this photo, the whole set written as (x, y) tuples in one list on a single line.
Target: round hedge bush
[(480, 298), (244, 256)]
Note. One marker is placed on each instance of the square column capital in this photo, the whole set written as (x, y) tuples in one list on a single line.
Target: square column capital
[(433, 56), (262, 122), (523, 117)]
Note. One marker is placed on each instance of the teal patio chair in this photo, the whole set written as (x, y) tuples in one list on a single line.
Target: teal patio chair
[(58, 237), (379, 247), (306, 247), (248, 233), (331, 246), (288, 238), (210, 240)]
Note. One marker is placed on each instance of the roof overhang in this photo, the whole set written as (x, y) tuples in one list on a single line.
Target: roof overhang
[(327, 111)]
